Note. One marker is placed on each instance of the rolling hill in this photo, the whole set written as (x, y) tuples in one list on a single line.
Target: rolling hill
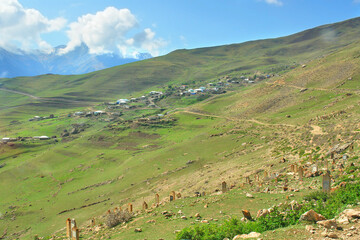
[(308, 105)]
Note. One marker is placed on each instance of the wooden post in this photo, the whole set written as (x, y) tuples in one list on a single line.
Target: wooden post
[(157, 201), (173, 194), (223, 187), (130, 208), (68, 228)]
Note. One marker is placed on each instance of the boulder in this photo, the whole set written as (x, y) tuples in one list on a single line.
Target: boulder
[(327, 223), (262, 213), (247, 215), (245, 236), (248, 195), (332, 235), (138, 230), (311, 216), (310, 228), (351, 213)]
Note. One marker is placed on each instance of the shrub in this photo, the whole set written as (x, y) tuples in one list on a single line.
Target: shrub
[(115, 218), (329, 205)]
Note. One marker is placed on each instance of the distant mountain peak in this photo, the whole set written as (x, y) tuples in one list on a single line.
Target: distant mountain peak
[(77, 61)]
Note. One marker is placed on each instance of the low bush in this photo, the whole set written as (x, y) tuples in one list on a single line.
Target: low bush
[(329, 205), (115, 218)]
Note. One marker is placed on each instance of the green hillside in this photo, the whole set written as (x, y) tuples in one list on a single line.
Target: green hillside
[(300, 111)]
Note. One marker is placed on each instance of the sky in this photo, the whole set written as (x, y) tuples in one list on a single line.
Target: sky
[(158, 26)]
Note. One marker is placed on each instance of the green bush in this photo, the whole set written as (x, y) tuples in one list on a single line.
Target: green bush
[(329, 205)]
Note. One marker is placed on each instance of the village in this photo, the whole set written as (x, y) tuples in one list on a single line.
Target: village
[(114, 110)]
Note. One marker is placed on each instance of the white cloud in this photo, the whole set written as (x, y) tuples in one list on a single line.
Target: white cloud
[(23, 27), (274, 2), (107, 31)]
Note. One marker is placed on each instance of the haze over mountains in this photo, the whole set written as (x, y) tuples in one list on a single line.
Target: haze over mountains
[(78, 61)]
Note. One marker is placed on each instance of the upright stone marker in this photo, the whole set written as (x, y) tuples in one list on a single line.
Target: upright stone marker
[(326, 182), (223, 187), (171, 198), (157, 201), (301, 173), (92, 222), (75, 233), (130, 208), (173, 194), (145, 206), (68, 228)]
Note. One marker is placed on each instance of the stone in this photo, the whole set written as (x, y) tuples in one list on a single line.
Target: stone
[(248, 195), (183, 217), (151, 221), (327, 223), (343, 220), (138, 230), (326, 182), (223, 187), (245, 236), (247, 214), (332, 235), (262, 213), (197, 215), (157, 199), (205, 221), (312, 216), (309, 228), (351, 213)]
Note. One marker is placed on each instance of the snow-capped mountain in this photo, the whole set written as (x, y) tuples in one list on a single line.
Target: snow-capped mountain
[(78, 61)]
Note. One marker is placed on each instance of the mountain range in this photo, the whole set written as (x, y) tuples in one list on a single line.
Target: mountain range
[(79, 61)]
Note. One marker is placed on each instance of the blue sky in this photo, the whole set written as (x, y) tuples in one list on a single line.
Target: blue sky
[(159, 26)]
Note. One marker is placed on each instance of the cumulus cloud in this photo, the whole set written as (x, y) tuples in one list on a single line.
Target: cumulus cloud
[(274, 2), (23, 27), (108, 31)]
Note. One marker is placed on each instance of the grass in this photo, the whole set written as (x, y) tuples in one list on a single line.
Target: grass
[(223, 138)]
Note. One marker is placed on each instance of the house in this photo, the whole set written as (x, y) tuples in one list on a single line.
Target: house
[(122, 101), (89, 114), (78, 113), (44, 138), (96, 113), (5, 139)]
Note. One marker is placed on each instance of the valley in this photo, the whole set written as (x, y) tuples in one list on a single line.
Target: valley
[(250, 136)]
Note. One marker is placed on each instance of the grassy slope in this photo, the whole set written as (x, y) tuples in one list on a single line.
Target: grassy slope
[(145, 162)]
